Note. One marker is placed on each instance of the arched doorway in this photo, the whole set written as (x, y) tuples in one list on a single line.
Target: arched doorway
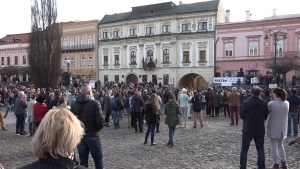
[(131, 79), (192, 80)]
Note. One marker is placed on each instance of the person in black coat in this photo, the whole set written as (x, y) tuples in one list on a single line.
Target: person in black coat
[(151, 116), (55, 154), (197, 107), (54, 102), (136, 107), (254, 112)]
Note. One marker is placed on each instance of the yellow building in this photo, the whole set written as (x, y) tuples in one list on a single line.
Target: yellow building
[(79, 49)]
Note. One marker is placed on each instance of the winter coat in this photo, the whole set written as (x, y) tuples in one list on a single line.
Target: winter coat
[(137, 103), (197, 104), (172, 113), (183, 100), (107, 105), (40, 111), (277, 119), (217, 100), (150, 117), (91, 116), (210, 100)]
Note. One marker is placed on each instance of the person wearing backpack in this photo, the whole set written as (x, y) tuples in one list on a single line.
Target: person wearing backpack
[(117, 106), (197, 106)]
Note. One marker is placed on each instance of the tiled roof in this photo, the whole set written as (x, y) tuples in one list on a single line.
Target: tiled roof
[(161, 9), (15, 38)]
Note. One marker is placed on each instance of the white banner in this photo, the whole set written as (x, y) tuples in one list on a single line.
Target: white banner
[(226, 84), (171, 80), (92, 83), (227, 79)]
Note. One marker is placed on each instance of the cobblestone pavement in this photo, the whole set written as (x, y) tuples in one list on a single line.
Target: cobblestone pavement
[(216, 146)]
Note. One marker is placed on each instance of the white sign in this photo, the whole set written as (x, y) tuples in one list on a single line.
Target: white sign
[(92, 83), (171, 80), (227, 79), (254, 80), (272, 86), (226, 84)]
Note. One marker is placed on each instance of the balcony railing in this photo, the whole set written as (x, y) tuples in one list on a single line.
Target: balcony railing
[(286, 54), (78, 47)]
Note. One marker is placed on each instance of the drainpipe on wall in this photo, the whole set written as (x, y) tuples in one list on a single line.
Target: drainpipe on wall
[(215, 55)]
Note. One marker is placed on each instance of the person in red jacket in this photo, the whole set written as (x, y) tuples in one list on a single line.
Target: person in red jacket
[(40, 109)]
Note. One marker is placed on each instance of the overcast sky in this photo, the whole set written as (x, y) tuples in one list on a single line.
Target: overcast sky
[(15, 14)]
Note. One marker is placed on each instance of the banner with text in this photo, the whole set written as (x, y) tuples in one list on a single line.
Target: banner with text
[(227, 79)]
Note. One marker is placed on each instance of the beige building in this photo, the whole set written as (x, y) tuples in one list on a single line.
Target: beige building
[(79, 49)]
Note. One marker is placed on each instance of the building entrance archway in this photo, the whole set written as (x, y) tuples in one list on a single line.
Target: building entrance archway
[(131, 78), (192, 80)]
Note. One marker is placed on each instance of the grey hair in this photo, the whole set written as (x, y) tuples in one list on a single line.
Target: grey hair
[(21, 94), (85, 89), (234, 89)]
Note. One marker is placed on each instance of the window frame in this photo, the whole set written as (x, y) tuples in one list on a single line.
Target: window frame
[(65, 44), (133, 58), (144, 79), (166, 56), (117, 59), (104, 35), (117, 78), (71, 61), (90, 60), (133, 32), (166, 79), (278, 47), (253, 48), (150, 55), (90, 43), (82, 61), (151, 32), (202, 25), (200, 60), (65, 62), (72, 44), (2, 60), (227, 49), (167, 27), (116, 34), (82, 45), (8, 60), (105, 59), (186, 26), (16, 60), (24, 59), (183, 57)]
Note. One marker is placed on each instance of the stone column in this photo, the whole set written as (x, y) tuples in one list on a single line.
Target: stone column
[(158, 64), (124, 57), (141, 56), (173, 54)]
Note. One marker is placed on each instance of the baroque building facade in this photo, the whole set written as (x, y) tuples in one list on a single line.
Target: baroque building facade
[(160, 43), (79, 49)]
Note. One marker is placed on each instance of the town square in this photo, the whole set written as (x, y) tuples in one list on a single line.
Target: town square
[(204, 84)]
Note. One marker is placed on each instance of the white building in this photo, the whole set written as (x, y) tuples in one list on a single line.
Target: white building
[(179, 39), (13, 54)]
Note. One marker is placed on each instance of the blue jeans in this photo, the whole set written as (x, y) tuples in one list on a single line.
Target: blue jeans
[(294, 117), (7, 110), (90, 144), (20, 123), (116, 116), (203, 105), (259, 143), (151, 127), (171, 133)]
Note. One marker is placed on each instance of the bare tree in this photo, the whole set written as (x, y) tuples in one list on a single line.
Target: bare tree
[(283, 65), (45, 44)]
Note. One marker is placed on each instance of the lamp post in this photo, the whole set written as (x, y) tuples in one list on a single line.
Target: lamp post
[(276, 39), (68, 78)]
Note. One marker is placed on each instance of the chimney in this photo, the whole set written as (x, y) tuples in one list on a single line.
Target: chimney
[(180, 2), (248, 16), (227, 17), (274, 11)]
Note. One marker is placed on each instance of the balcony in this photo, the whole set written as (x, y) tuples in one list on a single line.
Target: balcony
[(78, 48), (295, 54)]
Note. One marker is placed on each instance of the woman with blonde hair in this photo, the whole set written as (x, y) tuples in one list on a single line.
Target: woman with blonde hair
[(55, 140), (277, 126), (151, 116)]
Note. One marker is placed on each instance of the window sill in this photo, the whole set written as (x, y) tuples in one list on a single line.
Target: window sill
[(106, 66), (185, 62), (105, 38), (132, 36), (202, 62), (151, 34), (202, 30), (116, 37), (186, 31), (132, 64), (165, 63), (164, 33)]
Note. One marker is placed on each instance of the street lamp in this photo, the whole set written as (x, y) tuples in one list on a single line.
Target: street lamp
[(276, 38)]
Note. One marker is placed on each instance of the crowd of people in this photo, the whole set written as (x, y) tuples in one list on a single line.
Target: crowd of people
[(144, 105)]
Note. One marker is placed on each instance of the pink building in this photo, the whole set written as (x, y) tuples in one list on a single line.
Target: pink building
[(241, 46)]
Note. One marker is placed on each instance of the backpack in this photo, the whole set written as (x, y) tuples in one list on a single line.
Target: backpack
[(114, 104)]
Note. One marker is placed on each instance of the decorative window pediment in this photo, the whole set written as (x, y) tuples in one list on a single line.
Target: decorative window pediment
[(186, 45)]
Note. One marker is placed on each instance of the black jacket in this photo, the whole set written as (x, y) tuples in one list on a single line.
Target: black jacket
[(197, 103), (254, 112), (150, 117), (92, 116), (53, 103), (294, 102), (51, 163), (120, 104), (137, 104)]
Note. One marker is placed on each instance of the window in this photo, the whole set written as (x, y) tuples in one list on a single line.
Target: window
[(133, 57), (2, 60), (117, 61), (202, 26), (8, 60), (253, 48), (82, 44), (24, 60), (166, 56), (65, 44), (90, 61), (90, 43), (149, 30), (116, 34), (132, 32), (82, 61), (71, 61), (230, 73), (186, 27), (149, 56), (229, 49), (16, 60), (105, 78), (144, 78), (105, 60), (116, 78), (186, 57), (65, 62), (166, 79), (72, 44), (202, 55), (166, 29), (104, 35), (279, 48)]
